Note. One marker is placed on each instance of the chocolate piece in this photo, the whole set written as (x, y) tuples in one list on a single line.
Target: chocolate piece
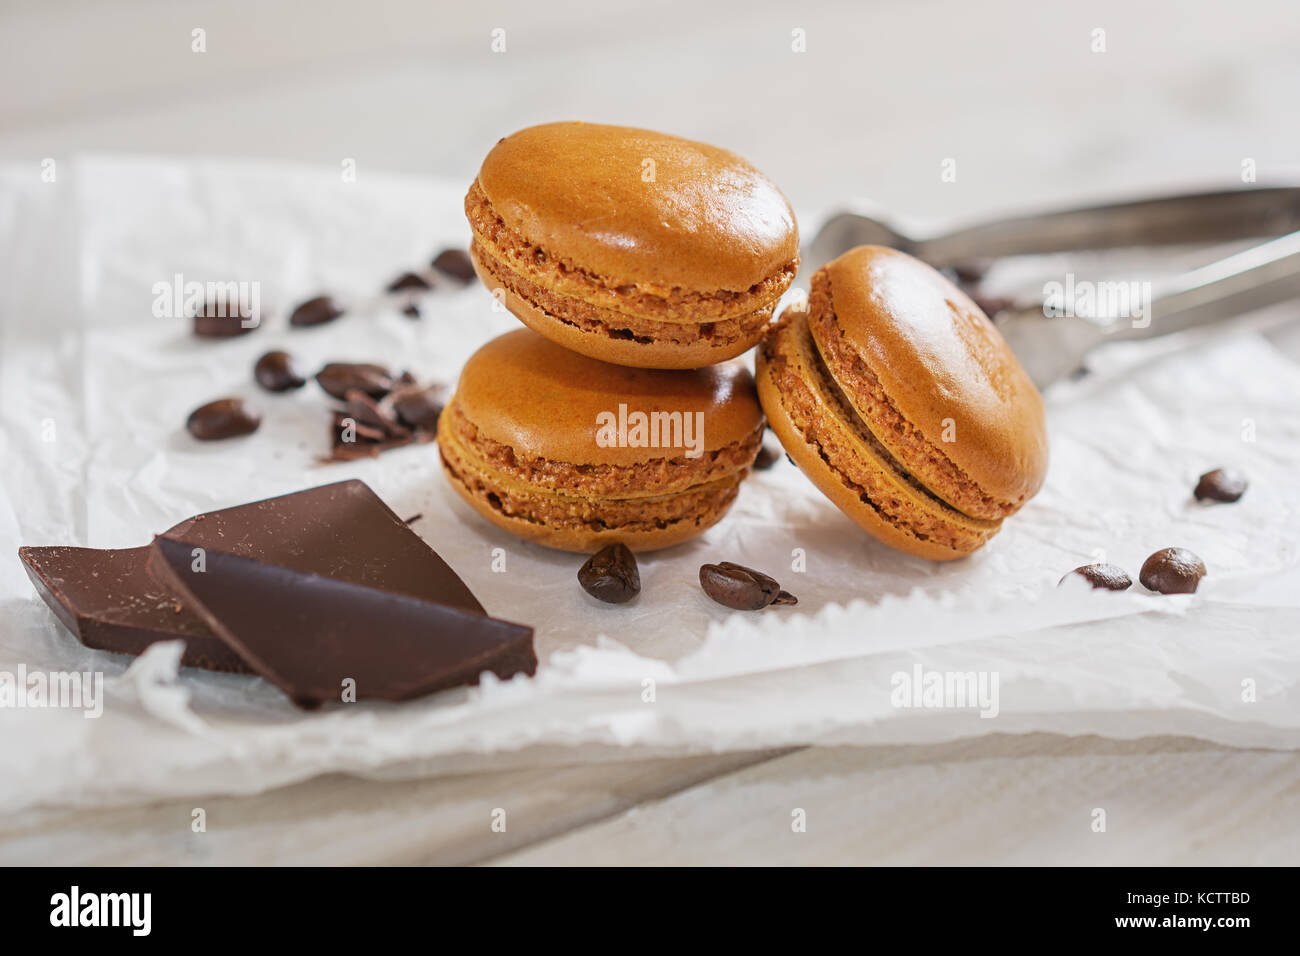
[(1172, 571), (744, 589), (276, 371), (409, 281), (611, 575), (315, 311), (366, 411), (222, 319), (352, 440), (224, 418), (1109, 577), (337, 378), (419, 406), (455, 264), (315, 637), (109, 601), (1221, 485)]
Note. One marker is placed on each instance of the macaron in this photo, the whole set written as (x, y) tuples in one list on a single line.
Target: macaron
[(903, 404), (575, 453), (629, 246)]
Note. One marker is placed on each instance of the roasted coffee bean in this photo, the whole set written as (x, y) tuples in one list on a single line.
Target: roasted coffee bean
[(455, 264), (224, 418), (411, 310), (338, 377), (611, 575), (1172, 571), (222, 319), (768, 455), (276, 371), (409, 281), (1110, 577), (1221, 485), (418, 405), (315, 311), (737, 586)]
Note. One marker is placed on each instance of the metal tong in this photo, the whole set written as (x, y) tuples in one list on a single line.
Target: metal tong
[(1053, 346)]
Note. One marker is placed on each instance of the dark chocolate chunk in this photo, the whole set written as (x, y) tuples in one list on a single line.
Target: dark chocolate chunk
[(1172, 571), (222, 318), (366, 411), (611, 575), (409, 281), (317, 638), (744, 589), (109, 601), (276, 371), (224, 418), (1109, 577), (1221, 485), (338, 378), (315, 311), (455, 264)]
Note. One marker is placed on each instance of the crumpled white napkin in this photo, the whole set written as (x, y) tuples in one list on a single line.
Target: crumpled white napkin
[(81, 352)]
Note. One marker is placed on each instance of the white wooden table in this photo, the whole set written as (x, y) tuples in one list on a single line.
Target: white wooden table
[(884, 93)]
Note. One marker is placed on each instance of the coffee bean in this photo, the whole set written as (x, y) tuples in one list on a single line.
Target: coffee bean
[(419, 405), (315, 311), (739, 587), (276, 371), (222, 319), (768, 455), (1109, 577), (409, 281), (224, 418), (338, 377), (455, 264), (1221, 485), (611, 575), (1172, 571)]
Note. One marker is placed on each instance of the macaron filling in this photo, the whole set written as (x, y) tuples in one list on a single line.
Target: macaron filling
[(862, 390), (520, 260), (823, 416)]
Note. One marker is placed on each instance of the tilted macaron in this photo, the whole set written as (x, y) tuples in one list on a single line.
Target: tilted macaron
[(576, 453), (629, 246), (896, 395)]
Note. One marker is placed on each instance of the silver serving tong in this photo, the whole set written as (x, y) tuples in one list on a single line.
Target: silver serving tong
[(1052, 346)]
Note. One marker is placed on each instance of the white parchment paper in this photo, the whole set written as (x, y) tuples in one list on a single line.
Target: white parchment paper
[(94, 391)]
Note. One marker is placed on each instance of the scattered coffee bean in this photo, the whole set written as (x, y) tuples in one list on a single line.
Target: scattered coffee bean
[(315, 311), (276, 371), (1110, 577), (338, 377), (1172, 571), (1221, 485), (418, 406), (455, 264), (222, 319), (366, 411), (768, 455), (744, 589), (408, 281), (411, 310), (611, 575), (224, 418)]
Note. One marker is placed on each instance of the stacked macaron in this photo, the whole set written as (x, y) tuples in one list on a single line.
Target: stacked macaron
[(642, 264)]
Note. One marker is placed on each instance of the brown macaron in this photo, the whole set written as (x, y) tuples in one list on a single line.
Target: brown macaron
[(575, 453), (629, 246), (897, 396)]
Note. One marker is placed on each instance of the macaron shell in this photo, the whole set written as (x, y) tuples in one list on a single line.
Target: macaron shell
[(944, 368), (641, 206), (894, 509), (542, 400)]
